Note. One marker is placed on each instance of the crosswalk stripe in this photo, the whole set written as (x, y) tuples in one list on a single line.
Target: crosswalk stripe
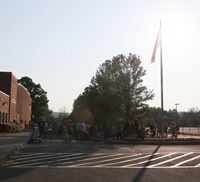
[(31, 158), (26, 155), (104, 160), (180, 163), (141, 158), (108, 164), (198, 165), (89, 163), (92, 157), (170, 160), (34, 161), (150, 160)]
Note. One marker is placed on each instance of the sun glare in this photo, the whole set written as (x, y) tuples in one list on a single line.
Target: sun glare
[(175, 31)]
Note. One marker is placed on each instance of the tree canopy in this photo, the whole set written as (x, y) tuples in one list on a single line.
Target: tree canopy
[(116, 92), (40, 111)]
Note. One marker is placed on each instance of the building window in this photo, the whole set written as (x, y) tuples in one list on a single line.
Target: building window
[(6, 118), (3, 118)]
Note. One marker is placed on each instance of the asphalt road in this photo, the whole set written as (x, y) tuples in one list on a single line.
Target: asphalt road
[(8, 139), (98, 161)]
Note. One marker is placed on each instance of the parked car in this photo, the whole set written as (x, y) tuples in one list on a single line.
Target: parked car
[(4, 127)]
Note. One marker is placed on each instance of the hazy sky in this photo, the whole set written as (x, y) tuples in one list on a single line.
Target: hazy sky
[(61, 43)]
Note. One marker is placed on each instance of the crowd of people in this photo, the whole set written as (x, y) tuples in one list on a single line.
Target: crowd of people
[(83, 131)]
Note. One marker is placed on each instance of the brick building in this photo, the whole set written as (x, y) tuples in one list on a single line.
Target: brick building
[(14, 106), (4, 107), (23, 105)]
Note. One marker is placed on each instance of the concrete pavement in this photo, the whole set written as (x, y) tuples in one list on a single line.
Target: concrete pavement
[(10, 143)]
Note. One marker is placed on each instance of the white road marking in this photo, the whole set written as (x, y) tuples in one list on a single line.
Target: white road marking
[(101, 160), (170, 160), (32, 158), (89, 163), (198, 165), (92, 157), (150, 160), (180, 163), (109, 164), (35, 161)]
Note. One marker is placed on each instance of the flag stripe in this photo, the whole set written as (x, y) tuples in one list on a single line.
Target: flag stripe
[(157, 44)]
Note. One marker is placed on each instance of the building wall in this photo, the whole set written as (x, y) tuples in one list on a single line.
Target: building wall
[(4, 107), (16, 99), (23, 106), (5, 82), (8, 85), (13, 99)]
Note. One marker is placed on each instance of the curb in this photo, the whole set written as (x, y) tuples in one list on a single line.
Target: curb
[(9, 151), (158, 142)]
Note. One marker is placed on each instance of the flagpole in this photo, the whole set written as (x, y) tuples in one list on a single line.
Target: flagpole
[(161, 83), (159, 44)]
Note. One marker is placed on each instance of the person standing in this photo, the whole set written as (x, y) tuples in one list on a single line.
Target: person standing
[(173, 130), (142, 130), (46, 127)]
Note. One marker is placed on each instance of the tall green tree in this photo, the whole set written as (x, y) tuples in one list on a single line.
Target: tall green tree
[(116, 91), (40, 111), (120, 80)]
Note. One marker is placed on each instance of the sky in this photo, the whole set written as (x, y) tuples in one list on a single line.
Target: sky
[(60, 44)]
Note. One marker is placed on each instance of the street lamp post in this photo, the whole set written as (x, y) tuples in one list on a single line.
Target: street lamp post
[(176, 106)]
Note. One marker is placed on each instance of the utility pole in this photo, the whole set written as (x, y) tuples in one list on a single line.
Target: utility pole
[(176, 106)]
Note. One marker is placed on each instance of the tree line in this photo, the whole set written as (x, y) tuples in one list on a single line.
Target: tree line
[(116, 94)]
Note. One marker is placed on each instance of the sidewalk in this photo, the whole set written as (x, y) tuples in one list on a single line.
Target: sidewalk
[(189, 136), (10, 143), (182, 139)]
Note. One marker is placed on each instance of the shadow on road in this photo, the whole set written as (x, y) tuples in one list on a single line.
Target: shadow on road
[(141, 173), (13, 173)]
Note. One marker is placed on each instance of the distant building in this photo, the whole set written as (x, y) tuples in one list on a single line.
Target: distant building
[(59, 114), (8, 85), (23, 106), (4, 107), (15, 101)]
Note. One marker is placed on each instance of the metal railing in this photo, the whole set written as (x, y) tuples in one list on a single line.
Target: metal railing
[(190, 130)]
